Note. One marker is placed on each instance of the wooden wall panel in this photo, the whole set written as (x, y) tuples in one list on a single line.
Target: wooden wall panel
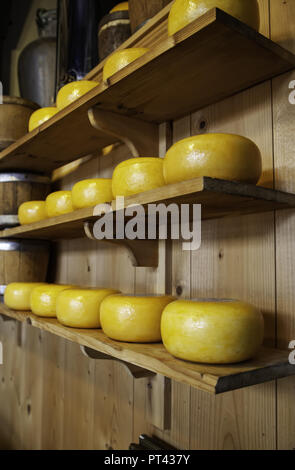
[(282, 14)]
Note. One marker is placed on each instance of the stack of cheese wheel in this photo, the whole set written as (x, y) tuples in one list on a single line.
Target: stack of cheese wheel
[(225, 156), (184, 12), (135, 319), (212, 331)]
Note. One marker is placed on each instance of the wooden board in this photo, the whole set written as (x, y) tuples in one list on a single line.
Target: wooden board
[(141, 89), (268, 365), (219, 198)]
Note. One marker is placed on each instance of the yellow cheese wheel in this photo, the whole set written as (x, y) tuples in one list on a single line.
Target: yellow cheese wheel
[(43, 299), (72, 91), (32, 211), (225, 156), (212, 331), (59, 203), (18, 294), (184, 12), (120, 7), (80, 308), (121, 59), (40, 116), (137, 175), (90, 192), (133, 319)]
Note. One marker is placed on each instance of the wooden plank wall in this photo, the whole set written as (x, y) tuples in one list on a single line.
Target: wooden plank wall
[(52, 397)]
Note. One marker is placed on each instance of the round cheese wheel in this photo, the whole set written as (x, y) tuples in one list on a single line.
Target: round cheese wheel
[(80, 308), (43, 299), (59, 203), (32, 211), (225, 156), (72, 91), (133, 319), (91, 192), (120, 59), (184, 12), (40, 116), (212, 331), (137, 175), (120, 7), (17, 295)]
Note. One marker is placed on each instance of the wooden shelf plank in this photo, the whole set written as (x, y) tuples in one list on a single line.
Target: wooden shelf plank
[(269, 364), (218, 198), (212, 58)]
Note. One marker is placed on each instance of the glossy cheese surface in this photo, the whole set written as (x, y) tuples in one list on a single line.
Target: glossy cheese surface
[(225, 156), (88, 193), (43, 299), (17, 295), (133, 319), (215, 332), (184, 12), (72, 91), (80, 308), (137, 175), (40, 116), (120, 59), (59, 203), (32, 211), (123, 6)]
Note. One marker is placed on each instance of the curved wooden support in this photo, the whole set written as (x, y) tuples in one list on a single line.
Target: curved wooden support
[(142, 253), (135, 371), (141, 137)]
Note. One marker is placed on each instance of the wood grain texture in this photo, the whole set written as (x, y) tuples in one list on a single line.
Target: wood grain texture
[(283, 31), (267, 365)]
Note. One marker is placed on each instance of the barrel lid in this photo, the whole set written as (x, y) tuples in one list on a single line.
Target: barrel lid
[(20, 102)]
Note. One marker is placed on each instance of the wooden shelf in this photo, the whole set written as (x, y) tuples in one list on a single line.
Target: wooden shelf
[(269, 364), (218, 198), (212, 58)]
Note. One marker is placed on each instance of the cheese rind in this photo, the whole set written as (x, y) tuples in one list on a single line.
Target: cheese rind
[(17, 295), (88, 193), (137, 175), (31, 212), (215, 332), (80, 308), (224, 156), (59, 203), (133, 319), (73, 91), (184, 12), (120, 59), (43, 299)]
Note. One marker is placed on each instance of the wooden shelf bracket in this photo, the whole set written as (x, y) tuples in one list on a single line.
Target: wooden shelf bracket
[(141, 137), (142, 253), (135, 371)]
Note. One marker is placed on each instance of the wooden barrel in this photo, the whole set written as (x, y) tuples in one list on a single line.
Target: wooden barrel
[(14, 119), (113, 30), (16, 188), (140, 11), (23, 261)]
